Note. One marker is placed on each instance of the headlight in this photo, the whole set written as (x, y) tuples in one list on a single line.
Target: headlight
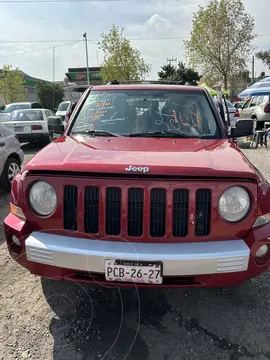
[(42, 198), (234, 204)]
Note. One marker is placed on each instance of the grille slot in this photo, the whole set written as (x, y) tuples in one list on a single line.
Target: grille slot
[(157, 212), (91, 210), (113, 210), (135, 211), (203, 212), (180, 212), (70, 207)]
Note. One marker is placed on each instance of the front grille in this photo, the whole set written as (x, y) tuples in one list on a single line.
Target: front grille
[(157, 212), (137, 212), (70, 207), (180, 212), (203, 212), (113, 211), (91, 210)]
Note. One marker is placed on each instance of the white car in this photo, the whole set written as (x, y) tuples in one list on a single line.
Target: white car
[(63, 109), (30, 124), (11, 157)]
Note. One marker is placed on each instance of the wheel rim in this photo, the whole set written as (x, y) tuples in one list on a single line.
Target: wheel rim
[(13, 170)]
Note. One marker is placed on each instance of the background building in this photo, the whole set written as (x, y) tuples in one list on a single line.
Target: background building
[(79, 76)]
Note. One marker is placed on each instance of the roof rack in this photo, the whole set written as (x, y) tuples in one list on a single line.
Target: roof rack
[(119, 82)]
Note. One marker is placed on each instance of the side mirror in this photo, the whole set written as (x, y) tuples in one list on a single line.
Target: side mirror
[(55, 124), (243, 127)]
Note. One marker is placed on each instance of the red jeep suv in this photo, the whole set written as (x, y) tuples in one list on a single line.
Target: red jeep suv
[(145, 188)]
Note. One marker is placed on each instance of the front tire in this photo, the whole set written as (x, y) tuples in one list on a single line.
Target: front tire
[(11, 169)]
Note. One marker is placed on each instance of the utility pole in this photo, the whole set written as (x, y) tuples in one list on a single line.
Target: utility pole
[(253, 69), (171, 61), (86, 52), (53, 75)]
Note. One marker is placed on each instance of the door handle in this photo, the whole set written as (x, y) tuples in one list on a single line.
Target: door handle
[(2, 144)]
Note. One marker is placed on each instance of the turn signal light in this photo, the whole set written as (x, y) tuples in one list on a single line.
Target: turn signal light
[(16, 210), (262, 220)]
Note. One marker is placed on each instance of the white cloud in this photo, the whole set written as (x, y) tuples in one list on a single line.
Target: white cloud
[(141, 19)]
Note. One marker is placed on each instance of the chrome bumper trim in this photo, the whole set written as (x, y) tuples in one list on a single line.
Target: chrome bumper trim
[(178, 259)]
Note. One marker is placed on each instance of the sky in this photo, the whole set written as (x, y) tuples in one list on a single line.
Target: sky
[(30, 30)]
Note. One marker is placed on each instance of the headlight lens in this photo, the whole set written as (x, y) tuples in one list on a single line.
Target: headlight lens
[(42, 198), (234, 204)]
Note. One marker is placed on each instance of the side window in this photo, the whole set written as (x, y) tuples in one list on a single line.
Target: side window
[(253, 101), (47, 112), (246, 105), (260, 100)]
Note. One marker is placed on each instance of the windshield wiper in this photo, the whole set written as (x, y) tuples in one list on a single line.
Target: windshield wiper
[(170, 134), (95, 133)]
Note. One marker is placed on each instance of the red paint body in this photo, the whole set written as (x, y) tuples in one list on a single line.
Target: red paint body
[(193, 163)]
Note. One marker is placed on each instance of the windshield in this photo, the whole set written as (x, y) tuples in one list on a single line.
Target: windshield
[(13, 107), (127, 112), (26, 115), (63, 106)]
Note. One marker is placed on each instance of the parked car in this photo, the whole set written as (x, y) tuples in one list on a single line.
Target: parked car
[(11, 157), (257, 108), (231, 109), (30, 124), (159, 198), (232, 115), (63, 108), (20, 105)]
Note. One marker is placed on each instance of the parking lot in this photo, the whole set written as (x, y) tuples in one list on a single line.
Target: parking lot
[(45, 319)]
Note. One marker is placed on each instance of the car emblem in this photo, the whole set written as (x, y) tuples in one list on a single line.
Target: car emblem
[(141, 169)]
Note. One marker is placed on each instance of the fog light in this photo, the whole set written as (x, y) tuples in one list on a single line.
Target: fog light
[(15, 240), (262, 251)]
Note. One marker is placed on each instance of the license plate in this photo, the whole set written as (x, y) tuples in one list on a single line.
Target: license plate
[(143, 272), (18, 129)]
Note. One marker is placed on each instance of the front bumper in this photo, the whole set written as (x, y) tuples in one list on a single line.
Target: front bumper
[(178, 259), (203, 264)]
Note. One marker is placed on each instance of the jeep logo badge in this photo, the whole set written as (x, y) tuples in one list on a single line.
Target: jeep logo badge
[(141, 169)]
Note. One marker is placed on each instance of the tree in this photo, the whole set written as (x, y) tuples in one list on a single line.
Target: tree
[(167, 72), (182, 74), (265, 57), (121, 61), (50, 95), (12, 87), (221, 38)]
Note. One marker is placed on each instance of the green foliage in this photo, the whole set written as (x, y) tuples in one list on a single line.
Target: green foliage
[(265, 57), (12, 85), (182, 74), (121, 61), (50, 95), (221, 37)]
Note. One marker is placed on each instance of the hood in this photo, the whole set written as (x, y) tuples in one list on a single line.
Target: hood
[(160, 156)]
